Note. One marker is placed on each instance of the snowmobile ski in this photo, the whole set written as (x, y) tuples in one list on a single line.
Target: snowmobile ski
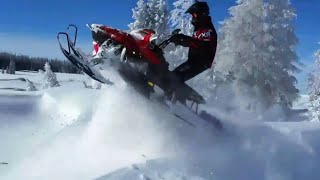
[(77, 58)]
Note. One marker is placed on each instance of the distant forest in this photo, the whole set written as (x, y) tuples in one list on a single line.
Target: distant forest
[(24, 62)]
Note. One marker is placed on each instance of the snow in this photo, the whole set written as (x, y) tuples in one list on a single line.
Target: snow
[(17, 81), (302, 102), (71, 132)]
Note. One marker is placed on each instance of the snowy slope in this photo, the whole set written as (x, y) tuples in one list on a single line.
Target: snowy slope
[(75, 133), (9, 82), (258, 153)]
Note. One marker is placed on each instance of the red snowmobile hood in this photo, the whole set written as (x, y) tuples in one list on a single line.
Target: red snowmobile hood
[(137, 42)]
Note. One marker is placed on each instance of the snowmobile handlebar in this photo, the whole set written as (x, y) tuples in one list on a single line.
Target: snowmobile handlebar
[(168, 41), (165, 43)]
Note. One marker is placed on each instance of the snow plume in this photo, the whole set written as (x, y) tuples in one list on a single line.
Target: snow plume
[(116, 128), (239, 103), (122, 129)]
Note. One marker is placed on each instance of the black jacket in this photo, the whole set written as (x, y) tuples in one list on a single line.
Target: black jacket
[(203, 44)]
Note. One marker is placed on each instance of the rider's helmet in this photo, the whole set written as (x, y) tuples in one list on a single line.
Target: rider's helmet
[(199, 11)]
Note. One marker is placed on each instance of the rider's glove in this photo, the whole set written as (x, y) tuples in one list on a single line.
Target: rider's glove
[(179, 39)]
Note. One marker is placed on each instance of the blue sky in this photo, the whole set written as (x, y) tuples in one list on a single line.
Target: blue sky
[(30, 26)]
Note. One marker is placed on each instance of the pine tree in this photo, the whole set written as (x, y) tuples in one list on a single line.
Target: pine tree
[(12, 67), (2, 70), (49, 78), (281, 42), (314, 90), (253, 47), (241, 45)]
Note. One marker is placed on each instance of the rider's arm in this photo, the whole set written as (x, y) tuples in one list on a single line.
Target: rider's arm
[(204, 38), (204, 42)]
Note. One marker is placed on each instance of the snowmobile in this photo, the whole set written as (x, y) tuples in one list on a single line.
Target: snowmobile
[(141, 61)]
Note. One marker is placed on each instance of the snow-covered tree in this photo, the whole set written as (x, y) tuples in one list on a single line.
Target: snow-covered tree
[(11, 69), (2, 70), (160, 15), (257, 46), (241, 44), (314, 90), (13, 66), (180, 20), (140, 15), (281, 45), (49, 77), (153, 14)]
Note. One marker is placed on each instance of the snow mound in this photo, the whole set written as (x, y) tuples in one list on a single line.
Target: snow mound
[(259, 153), (118, 134), (97, 132)]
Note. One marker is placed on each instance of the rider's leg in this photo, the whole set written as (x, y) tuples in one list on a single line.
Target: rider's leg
[(188, 70)]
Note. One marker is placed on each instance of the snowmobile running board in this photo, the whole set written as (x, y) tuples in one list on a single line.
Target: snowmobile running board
[(76, 58)]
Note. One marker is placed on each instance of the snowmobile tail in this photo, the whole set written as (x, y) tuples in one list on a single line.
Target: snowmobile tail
[(78, 58)]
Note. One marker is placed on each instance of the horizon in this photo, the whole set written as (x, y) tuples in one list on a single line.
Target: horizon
[(31, 28)]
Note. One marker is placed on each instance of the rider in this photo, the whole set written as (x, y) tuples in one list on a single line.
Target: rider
[(202, 45)]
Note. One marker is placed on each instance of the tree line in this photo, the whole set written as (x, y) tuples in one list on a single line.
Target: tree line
[(24, 62)]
